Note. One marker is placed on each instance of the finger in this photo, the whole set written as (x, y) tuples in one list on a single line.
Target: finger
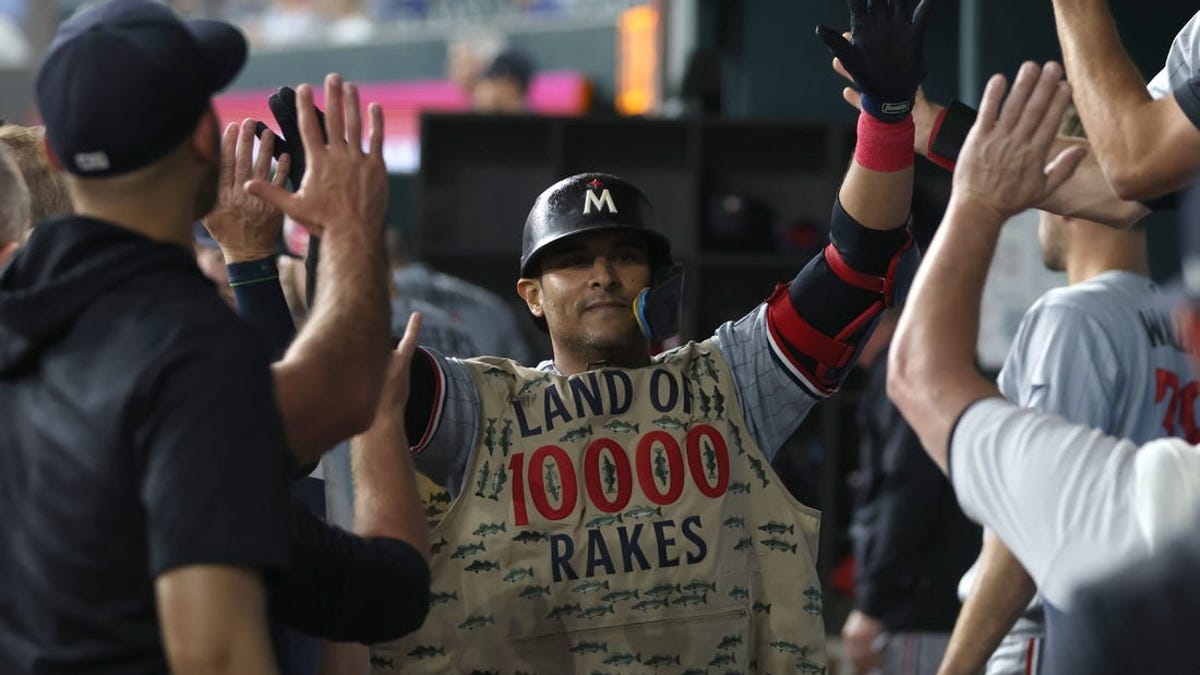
[(412, 333), (989, 106), (921, 16), (228, 156), (376, 112), (353, 117), (1044, 93), (1014, 105), (272, 194), (335, 115), (266, 150), (1063, 166), (310, 131), (1048, 130), (281, 171), (245, 151), (841, 70), (850, 95), (834, 41)]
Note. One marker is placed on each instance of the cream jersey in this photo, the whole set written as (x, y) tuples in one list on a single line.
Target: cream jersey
[(618, 519)]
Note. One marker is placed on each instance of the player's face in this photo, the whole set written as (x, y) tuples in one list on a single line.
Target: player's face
[(586, 291), (1052, 237)]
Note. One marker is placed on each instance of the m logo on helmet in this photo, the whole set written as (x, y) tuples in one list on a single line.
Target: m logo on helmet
[(602, 201)]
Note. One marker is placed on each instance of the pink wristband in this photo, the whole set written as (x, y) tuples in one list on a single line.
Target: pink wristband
[(884, 147)]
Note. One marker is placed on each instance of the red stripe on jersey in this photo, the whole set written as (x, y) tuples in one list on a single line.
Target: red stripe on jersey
[(439, 403)]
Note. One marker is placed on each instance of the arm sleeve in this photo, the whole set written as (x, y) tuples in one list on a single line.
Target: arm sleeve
[(442, 417), (1182, 60), (1064, 363), (1187, 95), (1058, 494), (260, 303), (214, 485), (348, 588)]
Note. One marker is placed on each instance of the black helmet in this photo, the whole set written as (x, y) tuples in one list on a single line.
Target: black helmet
[(590, 202)]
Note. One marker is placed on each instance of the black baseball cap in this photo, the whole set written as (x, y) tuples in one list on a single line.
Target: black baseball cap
[(126, 80)]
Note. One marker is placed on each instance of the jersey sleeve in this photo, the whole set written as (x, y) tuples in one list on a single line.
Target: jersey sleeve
[(1067, 515), (1063, 362), (1187, 95), (1182, 61), (772, 402), (442, 418)]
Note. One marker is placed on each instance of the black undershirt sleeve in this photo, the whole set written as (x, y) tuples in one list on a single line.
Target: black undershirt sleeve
[(349, 588)]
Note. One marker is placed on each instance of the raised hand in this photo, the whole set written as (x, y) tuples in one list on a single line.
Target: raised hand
[(885, 53), (343, 186), (245, 226), (396, 384), (924, 111), (1005, 164)]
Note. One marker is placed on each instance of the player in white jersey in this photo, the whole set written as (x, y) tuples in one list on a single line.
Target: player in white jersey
[(1098, 352), (1096, 503), (610, 509)]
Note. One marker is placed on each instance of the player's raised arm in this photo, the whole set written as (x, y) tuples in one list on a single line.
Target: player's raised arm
[(831, 306), (343, 349), (941, 130), (1003, 170)]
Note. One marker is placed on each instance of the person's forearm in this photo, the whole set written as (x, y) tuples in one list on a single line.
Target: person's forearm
[(328, 383), (877, 189), (260, 302), (387, 502), (1002, 591), (935, 342), (1087, 193), (1108, 89)]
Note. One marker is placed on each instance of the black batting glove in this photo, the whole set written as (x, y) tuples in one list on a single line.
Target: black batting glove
[(283, 107), (885, 54)]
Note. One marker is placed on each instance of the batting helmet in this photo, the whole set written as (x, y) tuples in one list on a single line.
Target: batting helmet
[(590, 202)]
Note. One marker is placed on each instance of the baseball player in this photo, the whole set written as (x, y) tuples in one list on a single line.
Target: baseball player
[(1070, 502), (613, 510), (1099, 352)]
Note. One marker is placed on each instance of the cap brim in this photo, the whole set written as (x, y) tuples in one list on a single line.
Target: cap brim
[(224, 49)]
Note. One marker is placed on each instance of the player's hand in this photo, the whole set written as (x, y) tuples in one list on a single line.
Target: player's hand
[(860, 640), (1005, 164), (924, 111), (344, 188), (245, 226), (885, 54)]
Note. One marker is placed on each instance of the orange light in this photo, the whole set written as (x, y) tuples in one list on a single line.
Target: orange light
[(637, 55)]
